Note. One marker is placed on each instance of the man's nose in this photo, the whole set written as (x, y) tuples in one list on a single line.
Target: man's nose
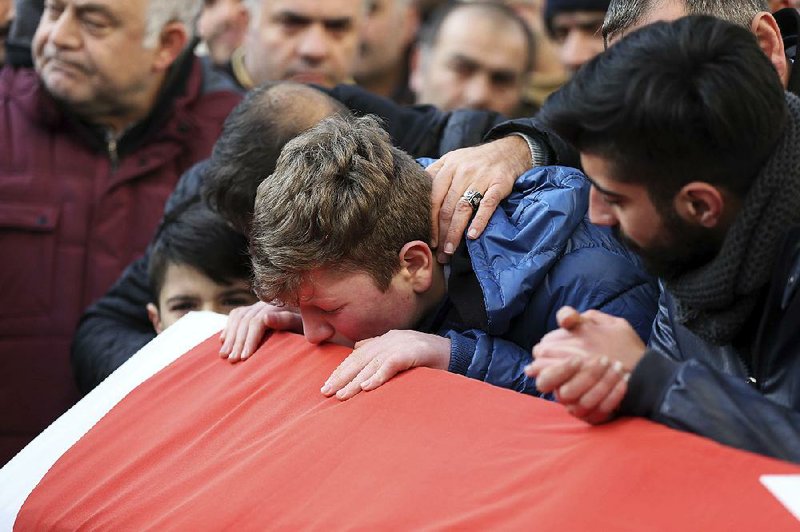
[(478, 92), (600, 212), (314, 44), (316, 330), (577, 49), (64, 32)]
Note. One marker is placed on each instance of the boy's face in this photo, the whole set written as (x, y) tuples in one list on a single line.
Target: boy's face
[(186, 289), (344, 308)]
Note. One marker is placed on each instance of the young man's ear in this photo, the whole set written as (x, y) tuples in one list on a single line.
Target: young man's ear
[(700, 203), (417, 265), (171, 42), (155, 317), (766, 30)]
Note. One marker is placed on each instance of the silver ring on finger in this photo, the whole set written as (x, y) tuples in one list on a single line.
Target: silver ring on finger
[(473, 197)]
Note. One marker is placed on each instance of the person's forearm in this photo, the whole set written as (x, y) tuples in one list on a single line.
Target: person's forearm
[(491, 359), (552, 148), (693, 397)]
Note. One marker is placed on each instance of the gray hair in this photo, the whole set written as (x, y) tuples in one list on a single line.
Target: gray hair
[(622, 15), (162, 12)]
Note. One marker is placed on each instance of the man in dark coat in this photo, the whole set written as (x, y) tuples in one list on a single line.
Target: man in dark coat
[(699, 173), (94, 140)]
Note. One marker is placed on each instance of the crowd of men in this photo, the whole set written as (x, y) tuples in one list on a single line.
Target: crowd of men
[(589, 201)]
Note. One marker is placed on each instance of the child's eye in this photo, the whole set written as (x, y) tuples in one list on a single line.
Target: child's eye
[(332, 311), (185, 306)]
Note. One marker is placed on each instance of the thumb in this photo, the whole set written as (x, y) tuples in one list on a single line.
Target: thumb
[(568, 318)]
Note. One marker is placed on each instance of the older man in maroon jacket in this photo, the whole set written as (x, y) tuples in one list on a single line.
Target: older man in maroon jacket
[(91, 144)]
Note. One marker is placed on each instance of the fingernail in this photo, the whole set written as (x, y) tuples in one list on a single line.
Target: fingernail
[(604, 362), (326, 389), (574, 362), (472, 233), (617, 366), (448, 248), (626, 377)]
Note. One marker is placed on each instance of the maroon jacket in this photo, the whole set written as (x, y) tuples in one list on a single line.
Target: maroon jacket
[(74, 212)]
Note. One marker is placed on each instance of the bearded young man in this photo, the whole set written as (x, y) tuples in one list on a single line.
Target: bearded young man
[(693, 147)]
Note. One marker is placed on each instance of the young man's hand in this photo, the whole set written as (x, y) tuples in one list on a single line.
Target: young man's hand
[(375, 361), (490, 169), (248, 326), (587, 362)]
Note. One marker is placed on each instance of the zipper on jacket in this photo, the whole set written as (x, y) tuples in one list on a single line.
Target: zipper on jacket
[(751, 380), (113, 154)]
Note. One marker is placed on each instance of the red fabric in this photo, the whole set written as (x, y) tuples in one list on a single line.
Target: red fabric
[(207, 445), (69, 224)]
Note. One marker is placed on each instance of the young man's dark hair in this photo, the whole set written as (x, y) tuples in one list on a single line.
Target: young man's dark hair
[(700, 124), (195, 236), (252, 138), (197, 262)]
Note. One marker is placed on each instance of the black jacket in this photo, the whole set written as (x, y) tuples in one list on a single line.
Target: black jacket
[(746, 395)]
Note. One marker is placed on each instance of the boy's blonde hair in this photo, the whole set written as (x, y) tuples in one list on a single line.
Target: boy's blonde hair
[(341, 198)]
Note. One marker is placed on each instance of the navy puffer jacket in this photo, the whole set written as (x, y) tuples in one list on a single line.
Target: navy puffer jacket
[(539, 253)]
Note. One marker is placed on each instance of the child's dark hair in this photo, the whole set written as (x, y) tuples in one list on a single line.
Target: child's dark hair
[(194, 235)]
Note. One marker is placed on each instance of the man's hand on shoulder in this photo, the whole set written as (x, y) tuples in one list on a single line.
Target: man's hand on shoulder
[(490, 169), (248, 326), (375, 361)]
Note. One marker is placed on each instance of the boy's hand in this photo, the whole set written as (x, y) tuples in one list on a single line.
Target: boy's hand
[(248, 326), (375, 361), (491, 169)]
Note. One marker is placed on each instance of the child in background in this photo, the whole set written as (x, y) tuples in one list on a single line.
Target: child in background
[(197, 263)]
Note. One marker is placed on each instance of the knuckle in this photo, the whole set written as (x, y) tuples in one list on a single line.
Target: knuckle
[(463, 206)]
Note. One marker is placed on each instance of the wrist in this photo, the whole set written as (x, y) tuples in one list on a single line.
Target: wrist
[(539, 156), (516, 153)]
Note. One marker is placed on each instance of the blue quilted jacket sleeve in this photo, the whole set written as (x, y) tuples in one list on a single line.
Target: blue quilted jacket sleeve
[(494, 360)]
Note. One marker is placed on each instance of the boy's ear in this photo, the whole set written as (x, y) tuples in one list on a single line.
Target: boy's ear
[(155, 317), (417, 265)]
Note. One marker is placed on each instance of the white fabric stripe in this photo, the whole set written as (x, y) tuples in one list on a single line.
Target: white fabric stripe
[(785, 488), (23, 473)]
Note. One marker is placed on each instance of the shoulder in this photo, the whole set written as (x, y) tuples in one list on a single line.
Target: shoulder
[(211, 94)]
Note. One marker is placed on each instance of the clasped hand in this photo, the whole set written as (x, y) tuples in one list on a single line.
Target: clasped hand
[(586, 362)]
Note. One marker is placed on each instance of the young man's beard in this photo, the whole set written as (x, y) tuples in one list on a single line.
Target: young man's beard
[(679, 247)]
